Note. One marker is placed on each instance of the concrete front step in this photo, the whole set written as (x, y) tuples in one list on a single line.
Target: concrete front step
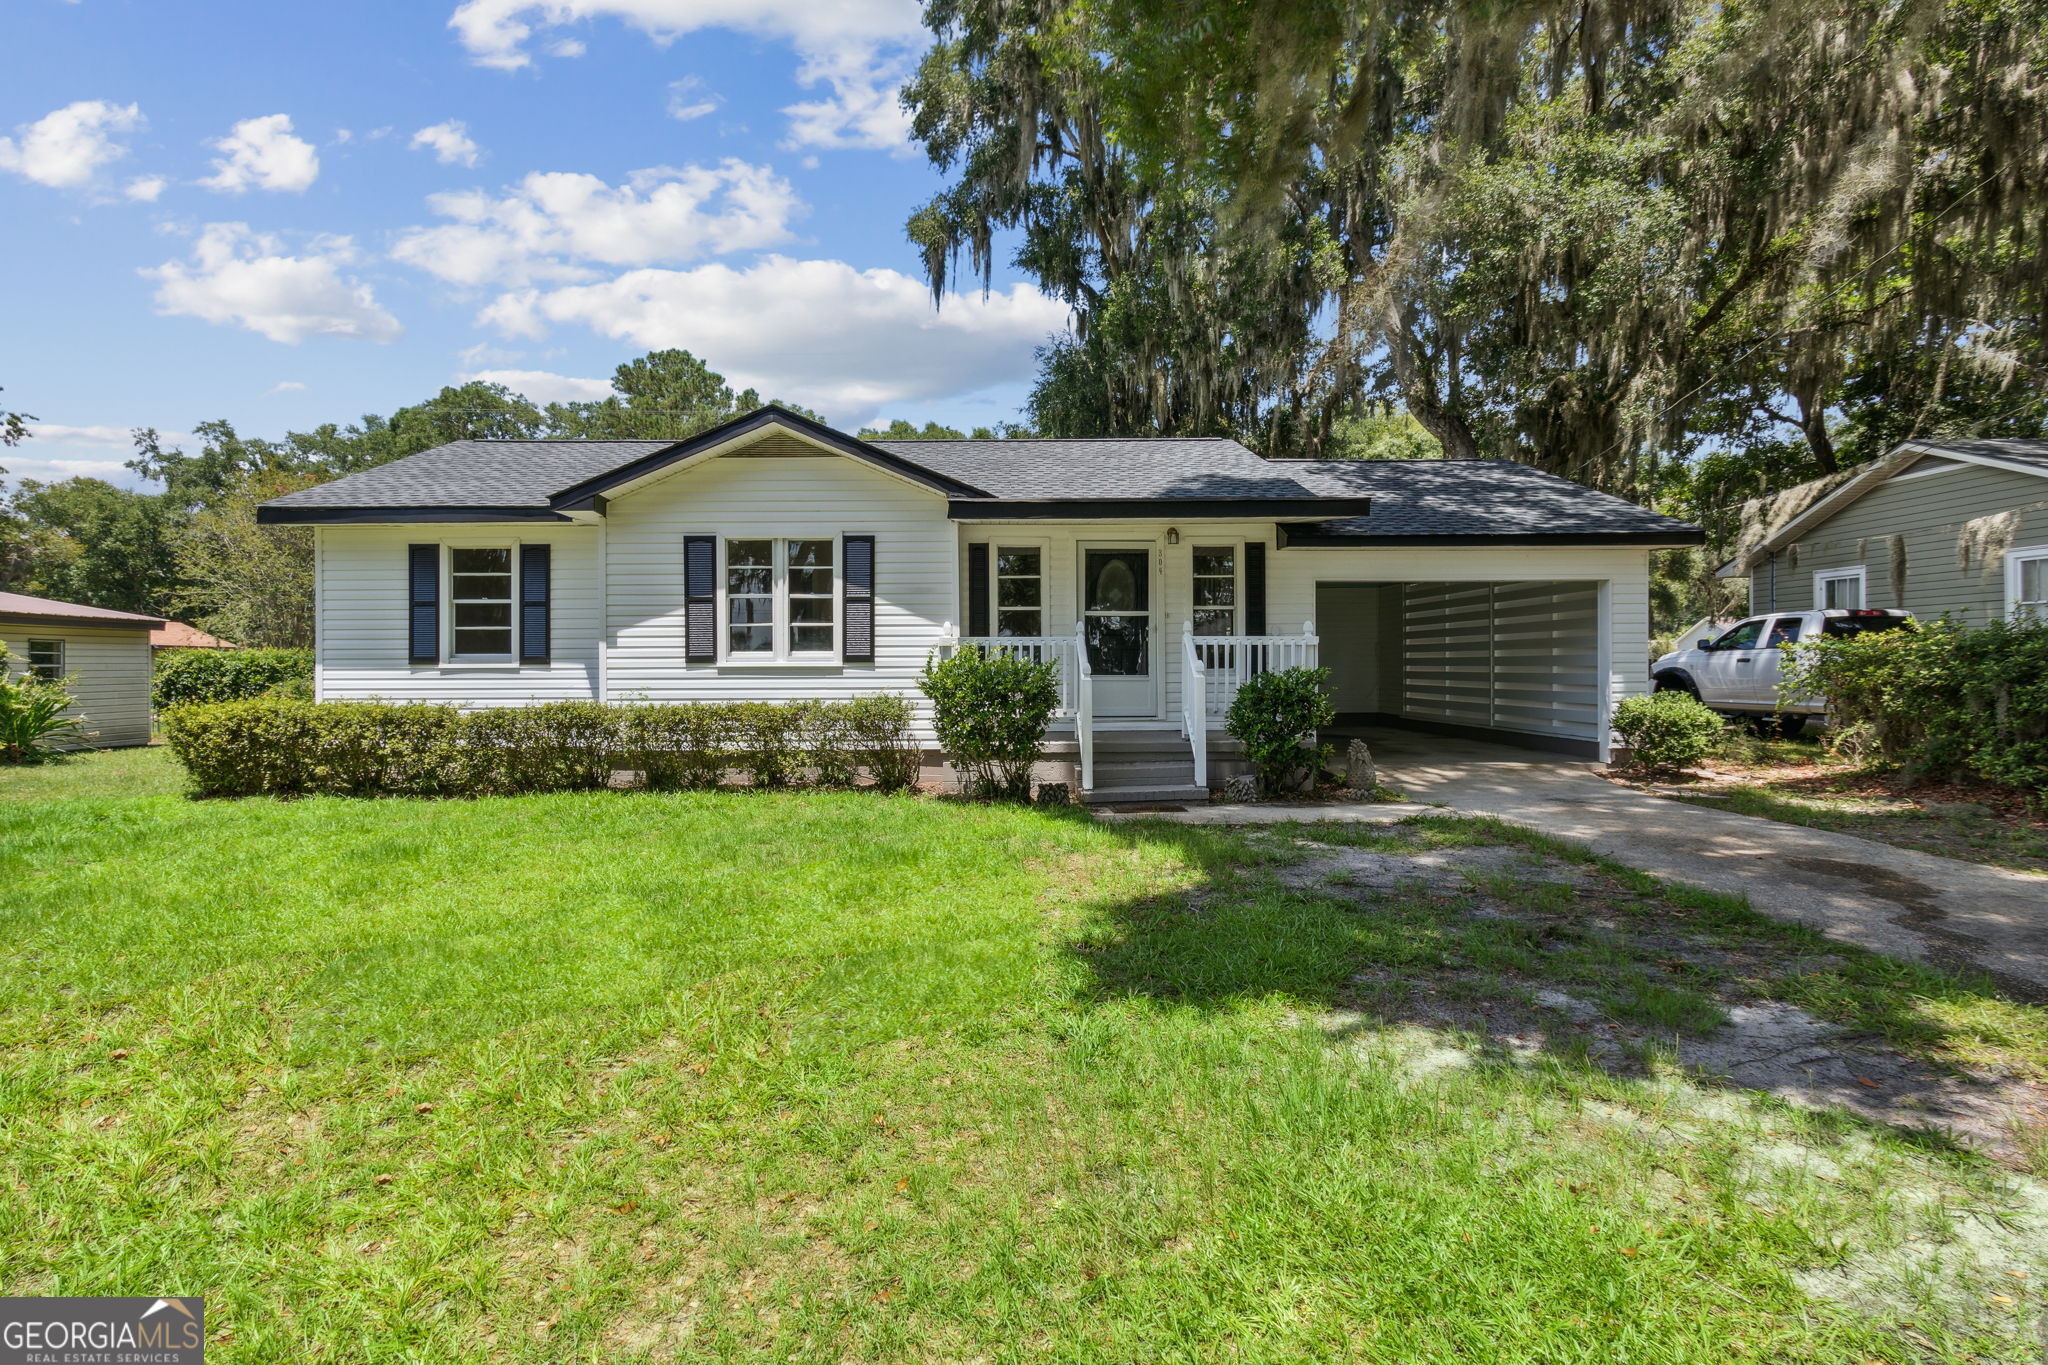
[(1168, 794), (1163, 772)]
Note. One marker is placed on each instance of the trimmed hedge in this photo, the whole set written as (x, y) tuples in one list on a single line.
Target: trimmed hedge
[(1667, 732), (990, 711), (1276, 717), (279, 746), (199, 675)]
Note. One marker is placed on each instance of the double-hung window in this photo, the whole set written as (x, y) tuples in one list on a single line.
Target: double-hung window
[(1020, 591), (480, 602), (2026, 583), (1215, 580), (781, 599), (1839, 589), (46, 659)]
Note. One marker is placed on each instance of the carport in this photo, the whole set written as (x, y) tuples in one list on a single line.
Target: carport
[(1517, 661)]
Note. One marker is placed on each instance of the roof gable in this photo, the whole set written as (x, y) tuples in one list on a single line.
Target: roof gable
[(2019, 456), (769, 424)]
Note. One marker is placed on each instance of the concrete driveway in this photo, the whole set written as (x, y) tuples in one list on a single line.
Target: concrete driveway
[(1894, 900)]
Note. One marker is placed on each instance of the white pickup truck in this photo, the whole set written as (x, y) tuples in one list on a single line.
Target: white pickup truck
[(1737, 672)]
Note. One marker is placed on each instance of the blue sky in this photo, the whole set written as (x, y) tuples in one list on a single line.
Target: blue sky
[(289, 214)]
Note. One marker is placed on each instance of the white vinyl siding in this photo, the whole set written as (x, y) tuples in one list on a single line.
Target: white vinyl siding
[(106, 671), (788, 498), (361, 640)]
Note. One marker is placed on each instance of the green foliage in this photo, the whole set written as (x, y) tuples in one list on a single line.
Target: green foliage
[(903, 430), (33, 725), (272, 745), (94, 543), (1937, 698), (185, 676), (990, 712), (1594, 243), (195, 546), (1276, 716), (1667, 732)]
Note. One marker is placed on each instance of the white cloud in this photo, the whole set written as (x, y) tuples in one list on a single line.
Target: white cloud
[(544, 387), (688, 99), (115, 437), (450, 143), (859, 49), (862, 108), (66, 148), (144, 189), (285, 386), (550, 223), (261, 153), (245, 278), (56, 451), (820, 333), (566, 47)]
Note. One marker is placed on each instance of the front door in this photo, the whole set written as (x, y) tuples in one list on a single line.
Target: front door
[(1116, 617)]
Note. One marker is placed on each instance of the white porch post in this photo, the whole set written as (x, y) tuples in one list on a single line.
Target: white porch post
[(1604, 671)]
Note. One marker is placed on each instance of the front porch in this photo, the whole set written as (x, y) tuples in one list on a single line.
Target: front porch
[(1122, 758)]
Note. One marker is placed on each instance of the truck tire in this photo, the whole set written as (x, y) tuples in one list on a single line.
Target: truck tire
[(1675, 682)]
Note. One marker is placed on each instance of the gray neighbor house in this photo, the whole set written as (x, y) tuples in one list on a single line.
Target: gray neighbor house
[(1954, 528)]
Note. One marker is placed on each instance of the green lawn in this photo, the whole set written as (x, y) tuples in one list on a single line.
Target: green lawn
[(840, 1077)]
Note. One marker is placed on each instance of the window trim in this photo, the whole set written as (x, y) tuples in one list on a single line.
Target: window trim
[(995, 580), (780, 625), (449, 656), (1237, 602), (1859, 572), (33, 669), (2014, 558)]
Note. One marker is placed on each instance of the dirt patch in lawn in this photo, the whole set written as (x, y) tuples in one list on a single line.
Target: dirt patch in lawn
[(1534, 955)]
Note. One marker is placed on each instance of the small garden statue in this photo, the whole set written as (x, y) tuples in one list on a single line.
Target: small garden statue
[(1361, 774)]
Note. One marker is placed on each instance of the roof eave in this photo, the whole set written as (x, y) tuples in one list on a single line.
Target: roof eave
[(1295, 538), (270, 514), (1156, 509), (13, 618)]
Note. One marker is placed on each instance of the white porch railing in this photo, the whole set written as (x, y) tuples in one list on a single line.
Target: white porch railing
[(1213, 667), (1060, 649), (1229, 661)]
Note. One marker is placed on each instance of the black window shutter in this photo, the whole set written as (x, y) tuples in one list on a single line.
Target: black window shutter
[(1255, 588), (857, 631), (423, 598), (535, 610), (700, 599), (977, 591)]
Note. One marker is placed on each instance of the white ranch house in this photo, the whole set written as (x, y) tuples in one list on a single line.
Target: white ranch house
[(774, 558)]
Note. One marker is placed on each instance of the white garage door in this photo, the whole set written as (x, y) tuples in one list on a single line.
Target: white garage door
[(1504, 656)]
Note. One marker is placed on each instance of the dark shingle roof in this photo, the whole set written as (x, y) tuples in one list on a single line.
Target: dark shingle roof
[(476, 474), (2034, 453), (1471, 498), (1488, 498), (1115, 467)]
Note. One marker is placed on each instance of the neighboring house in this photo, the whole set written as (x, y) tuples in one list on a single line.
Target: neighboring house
[(1936, 527), (103, 657), (774, 558), (178, 635)]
